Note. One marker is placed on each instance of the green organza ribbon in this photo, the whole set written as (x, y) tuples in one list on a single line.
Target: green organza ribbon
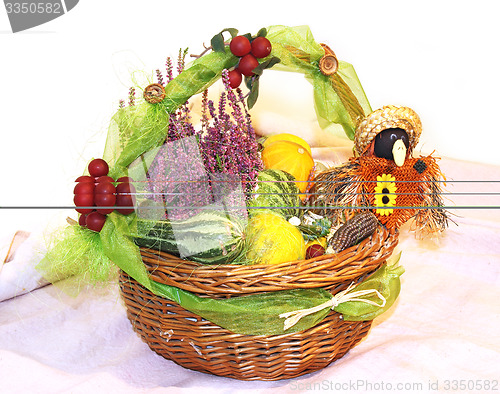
[(138, 129), (339, 98), (259, 314), (254, 314)]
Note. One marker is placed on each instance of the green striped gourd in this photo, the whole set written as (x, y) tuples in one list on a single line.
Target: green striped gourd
[(210, 237), (275, 192)]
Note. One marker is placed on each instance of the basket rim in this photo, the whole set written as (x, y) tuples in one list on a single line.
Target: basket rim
[(327, 271)]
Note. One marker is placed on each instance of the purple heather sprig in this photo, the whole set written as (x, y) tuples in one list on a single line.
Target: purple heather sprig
[(225, 145), (229, 143), (178, 178)]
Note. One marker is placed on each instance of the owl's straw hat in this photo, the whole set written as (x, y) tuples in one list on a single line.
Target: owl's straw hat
[(387, 117)]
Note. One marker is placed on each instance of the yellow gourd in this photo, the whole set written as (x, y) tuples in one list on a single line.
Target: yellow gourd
[(290, 157), (273, 240), (287, 137)]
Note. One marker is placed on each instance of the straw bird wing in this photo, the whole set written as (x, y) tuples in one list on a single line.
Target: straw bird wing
[(432, 218), (338, 191)]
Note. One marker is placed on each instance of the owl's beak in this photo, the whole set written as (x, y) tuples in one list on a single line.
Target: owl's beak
[(399, 152)]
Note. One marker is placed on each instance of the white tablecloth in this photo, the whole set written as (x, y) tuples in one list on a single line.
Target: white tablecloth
[(442, 333)]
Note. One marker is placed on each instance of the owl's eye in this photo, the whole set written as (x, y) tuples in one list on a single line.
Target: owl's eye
[(384, 141)]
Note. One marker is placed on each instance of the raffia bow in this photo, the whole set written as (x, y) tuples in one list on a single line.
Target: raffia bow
[(343, 296)]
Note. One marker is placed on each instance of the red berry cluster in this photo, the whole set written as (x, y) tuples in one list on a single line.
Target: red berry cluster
[(248, 52), (98, 190)]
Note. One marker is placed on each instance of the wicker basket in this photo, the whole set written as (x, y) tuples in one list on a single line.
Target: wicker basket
[(198, 344)]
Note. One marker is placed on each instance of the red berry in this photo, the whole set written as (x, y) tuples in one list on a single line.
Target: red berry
[(125, 188), (125, 200), (105, 203), (124, 179), (125, 197), (84, 203), (84, 188), (240, 46), (247, 64), (314, 250), (82, 220), (85, 178), (104, 188), (235, 78), (104, 178), (98, 167), (261, 47), (95, 221)]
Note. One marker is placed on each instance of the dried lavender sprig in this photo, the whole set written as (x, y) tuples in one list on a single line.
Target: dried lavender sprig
[(204, 114), (233, 100), (241, 98), (131, 97), (159, 76), (170, 69), (211, 110), (181, 60)]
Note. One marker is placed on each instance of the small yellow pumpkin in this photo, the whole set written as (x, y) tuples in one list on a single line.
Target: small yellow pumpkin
[(290, 157), (273, 240), (287, 137)]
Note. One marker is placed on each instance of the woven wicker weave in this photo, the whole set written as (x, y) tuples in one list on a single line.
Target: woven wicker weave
[(198, 344)]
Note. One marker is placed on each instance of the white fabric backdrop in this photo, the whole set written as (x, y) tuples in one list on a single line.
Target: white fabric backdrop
[(438, 58)]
